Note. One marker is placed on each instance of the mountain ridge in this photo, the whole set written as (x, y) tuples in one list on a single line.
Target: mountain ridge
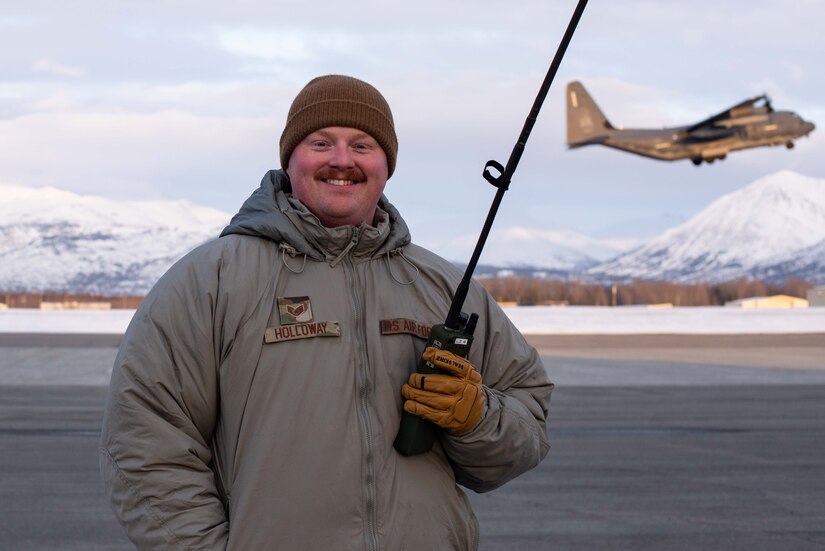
[(772, 228), (739, 234), (52, 239)]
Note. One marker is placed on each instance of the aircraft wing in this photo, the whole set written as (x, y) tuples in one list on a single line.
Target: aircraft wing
[(731, 112)]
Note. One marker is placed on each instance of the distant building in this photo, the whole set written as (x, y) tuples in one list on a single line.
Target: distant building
[(75, 305), (554, 303), (816, 296), (774, 301)]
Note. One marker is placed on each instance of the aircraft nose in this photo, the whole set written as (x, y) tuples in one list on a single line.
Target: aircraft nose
[(807, 127)]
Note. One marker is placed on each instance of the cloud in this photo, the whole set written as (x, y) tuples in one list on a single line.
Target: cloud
[(285, 44), (187, 98), (16, 21), (58, 101), (168, 154), (795, 71), (57, 69)]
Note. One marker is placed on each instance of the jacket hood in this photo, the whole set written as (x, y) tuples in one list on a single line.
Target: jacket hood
[(272, 213)]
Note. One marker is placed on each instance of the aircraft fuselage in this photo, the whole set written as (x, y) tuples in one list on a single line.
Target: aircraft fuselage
[(743, 126)]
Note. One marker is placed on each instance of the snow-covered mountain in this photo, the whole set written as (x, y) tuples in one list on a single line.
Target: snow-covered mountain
[(807, 263), (57, 240), (528, 249), (60, 241), (777, 223)]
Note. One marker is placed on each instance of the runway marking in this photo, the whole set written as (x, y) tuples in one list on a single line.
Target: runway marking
[(52, 432), (654, 431)]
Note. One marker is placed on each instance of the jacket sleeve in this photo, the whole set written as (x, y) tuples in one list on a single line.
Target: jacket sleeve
[(511, 437), (161, 411)]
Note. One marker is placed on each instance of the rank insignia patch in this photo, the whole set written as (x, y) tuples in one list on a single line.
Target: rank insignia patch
[(294, 310)]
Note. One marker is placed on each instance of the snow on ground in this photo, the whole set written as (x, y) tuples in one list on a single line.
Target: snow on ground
[(535, 320), (634, 319), (25, 320)]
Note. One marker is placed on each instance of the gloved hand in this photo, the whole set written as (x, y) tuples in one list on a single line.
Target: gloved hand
[(454, 400)]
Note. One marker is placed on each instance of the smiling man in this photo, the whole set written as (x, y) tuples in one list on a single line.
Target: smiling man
[(259, 388), (340, 173)]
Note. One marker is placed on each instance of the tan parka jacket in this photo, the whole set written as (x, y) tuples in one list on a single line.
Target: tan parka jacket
[(220, 435)]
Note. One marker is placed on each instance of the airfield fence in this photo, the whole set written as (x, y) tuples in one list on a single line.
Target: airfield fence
[(68, 300), (527, 291)]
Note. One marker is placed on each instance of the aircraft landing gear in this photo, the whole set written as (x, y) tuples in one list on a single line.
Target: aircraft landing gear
[(709, 160)]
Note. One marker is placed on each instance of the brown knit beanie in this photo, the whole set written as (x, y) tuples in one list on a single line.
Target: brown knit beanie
[(336, 100)]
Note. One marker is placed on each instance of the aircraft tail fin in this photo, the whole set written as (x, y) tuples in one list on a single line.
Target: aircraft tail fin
[(586, 124)]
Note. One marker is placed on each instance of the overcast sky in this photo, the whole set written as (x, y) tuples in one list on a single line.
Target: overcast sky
[(153, 99)]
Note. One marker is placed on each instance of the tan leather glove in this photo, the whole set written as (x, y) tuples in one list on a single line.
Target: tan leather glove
[(454, 400)]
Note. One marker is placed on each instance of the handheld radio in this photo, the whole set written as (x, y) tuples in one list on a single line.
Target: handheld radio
[(416, 435)]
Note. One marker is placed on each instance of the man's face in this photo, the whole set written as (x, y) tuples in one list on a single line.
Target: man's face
[(339, 174)]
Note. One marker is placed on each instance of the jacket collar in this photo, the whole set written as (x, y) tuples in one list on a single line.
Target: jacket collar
[(272, 213)]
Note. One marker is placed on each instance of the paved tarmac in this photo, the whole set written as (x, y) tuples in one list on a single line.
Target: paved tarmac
[(658, 442)]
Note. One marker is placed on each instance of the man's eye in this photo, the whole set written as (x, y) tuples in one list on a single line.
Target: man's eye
[(362, 147), (319, 143)]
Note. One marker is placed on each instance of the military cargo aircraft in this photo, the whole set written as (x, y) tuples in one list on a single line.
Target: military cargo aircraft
[(751, 123)]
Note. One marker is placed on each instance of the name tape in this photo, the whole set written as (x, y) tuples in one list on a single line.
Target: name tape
[(399, 326), (302, 331)]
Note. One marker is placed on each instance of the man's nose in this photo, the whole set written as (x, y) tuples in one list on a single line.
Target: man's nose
[(341, 157)]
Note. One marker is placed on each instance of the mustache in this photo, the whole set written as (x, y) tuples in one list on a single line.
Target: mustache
[(356, 175)]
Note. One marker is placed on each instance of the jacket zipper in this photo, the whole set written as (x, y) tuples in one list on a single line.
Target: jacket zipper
[(362, 370)]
